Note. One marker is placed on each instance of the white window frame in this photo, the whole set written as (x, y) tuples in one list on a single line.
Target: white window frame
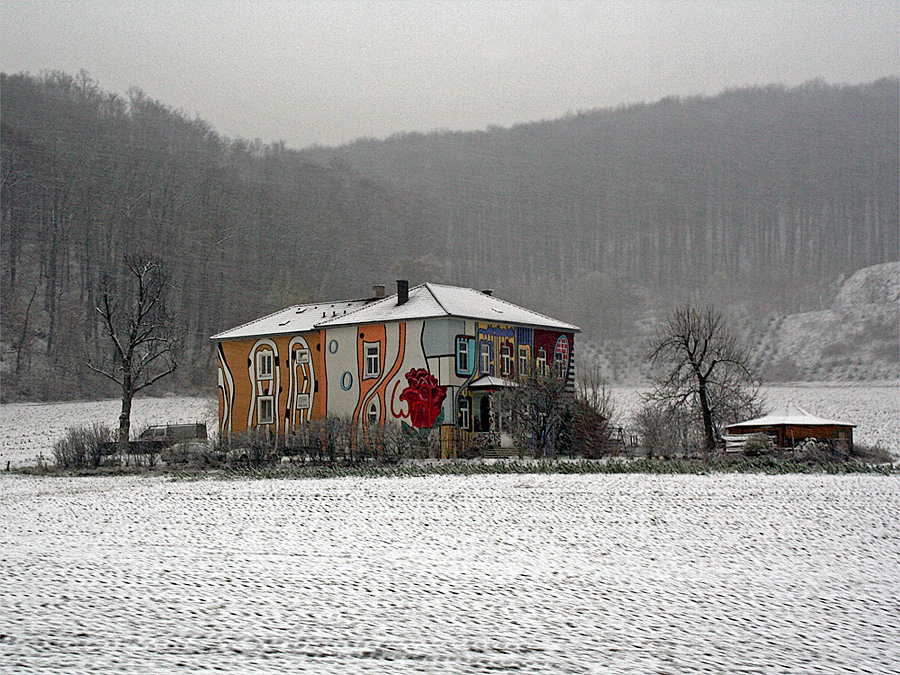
[(541, 362), (523, 360), (301, 356), (302, 401), (506, 360), (261, 403), (484, 357), (372, 356), (462, 355), (372, 413), (465, 413), (265, 365)]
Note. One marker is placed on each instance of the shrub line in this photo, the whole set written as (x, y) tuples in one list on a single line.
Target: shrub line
[(415, 469)]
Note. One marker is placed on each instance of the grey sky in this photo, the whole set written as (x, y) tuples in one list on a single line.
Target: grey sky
[(329, 72)]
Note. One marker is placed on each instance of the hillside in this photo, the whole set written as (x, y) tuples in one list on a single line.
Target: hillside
[(759, 195), (857, 338), (760, 200)]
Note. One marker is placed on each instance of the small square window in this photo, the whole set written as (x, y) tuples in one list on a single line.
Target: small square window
[(372, 366), (523, 360), (485, 357), (265, 410), (301, 356), (462, 355), (506, 360), (264, 368), (541, 362), (465, 413), (302, 401)]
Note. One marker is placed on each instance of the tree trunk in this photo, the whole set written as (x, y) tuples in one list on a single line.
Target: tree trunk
[(125, 416), (707, 416)]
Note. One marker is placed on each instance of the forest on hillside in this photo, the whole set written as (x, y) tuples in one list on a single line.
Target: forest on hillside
[(244, 228), (763, 196)]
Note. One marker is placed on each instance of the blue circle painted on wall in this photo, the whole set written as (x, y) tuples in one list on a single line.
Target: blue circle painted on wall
[(346, 381), (332, 347)]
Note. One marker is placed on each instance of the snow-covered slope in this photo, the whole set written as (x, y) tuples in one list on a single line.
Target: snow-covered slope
[(858, 338)]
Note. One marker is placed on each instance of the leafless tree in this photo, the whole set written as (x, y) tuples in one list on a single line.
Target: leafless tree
[(701, 365), (141, 331), (539, 406)]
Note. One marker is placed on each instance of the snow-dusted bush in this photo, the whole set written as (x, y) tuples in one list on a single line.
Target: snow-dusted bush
[(758, 444), (82, 447)]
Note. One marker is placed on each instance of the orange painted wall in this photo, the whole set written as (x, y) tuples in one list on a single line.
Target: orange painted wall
[(237, 385)]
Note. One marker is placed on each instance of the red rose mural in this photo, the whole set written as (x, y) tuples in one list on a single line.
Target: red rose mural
[(423, 396)]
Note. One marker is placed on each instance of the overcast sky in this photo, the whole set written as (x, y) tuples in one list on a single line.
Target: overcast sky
[(328, 72)]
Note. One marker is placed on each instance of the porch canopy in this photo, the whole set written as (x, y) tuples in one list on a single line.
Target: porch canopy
[(795, 425), (491, 383)]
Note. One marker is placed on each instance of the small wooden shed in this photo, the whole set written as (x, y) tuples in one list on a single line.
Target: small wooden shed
[(794, 426)]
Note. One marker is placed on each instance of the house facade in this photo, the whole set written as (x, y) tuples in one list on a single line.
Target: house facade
[(432, 357)]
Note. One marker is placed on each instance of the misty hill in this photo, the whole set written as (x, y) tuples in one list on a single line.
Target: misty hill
[(856, 338), (762, 195), (244, 228), (760, 200)]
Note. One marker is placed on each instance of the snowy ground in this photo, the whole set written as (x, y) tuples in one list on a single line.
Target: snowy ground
[(30, 429), (535, 574)]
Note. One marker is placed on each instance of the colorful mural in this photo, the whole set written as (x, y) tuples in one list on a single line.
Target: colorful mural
[(426, 373)]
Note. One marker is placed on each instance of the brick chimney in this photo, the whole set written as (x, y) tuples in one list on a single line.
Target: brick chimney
[(402, 291), (378, 291)]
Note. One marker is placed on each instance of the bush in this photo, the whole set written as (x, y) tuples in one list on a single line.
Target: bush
[(871, 454), (330, 440), (758, 444), (83, 447)]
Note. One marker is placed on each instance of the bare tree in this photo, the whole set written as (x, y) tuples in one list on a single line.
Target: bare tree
[(539, 406), (701, 365), (141, 331)]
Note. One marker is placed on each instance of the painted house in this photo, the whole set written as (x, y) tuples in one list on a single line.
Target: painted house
[(432, 357), (793, 426)]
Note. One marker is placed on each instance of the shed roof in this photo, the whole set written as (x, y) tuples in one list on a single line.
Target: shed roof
[(791, 416), (425, 301)]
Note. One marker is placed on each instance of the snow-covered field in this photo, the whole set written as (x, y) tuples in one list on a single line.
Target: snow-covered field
[(450, 574), (31, 429)]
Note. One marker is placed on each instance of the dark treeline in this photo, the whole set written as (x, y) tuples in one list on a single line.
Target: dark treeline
[(762, 195), (244, 228)]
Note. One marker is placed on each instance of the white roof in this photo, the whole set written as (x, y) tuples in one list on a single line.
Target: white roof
[(491, 382), (435, 300), (295, 319), (791, 416), (426, 301)]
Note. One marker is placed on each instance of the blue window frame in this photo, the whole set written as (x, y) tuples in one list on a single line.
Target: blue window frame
[(465, 355)]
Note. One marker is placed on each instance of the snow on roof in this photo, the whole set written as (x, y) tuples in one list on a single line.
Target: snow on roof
[(426, 301), (295, 319), (435, 300), (491, 382), (793, 416)]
